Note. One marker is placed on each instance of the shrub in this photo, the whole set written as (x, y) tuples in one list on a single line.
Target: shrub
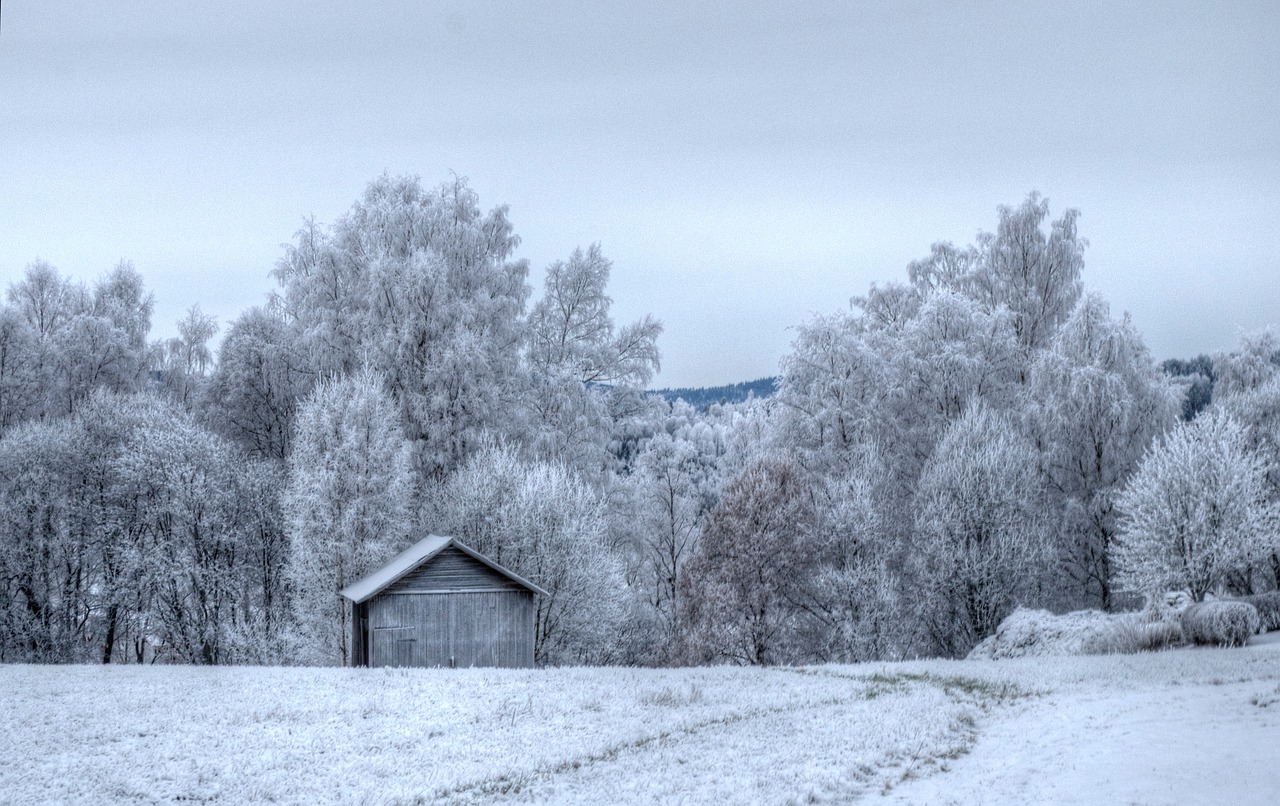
[(1128, 633), (1220, 623), (1268, 605), (1028, 633)]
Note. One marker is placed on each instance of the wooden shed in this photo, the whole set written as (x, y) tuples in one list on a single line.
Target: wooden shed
[(439, 603)]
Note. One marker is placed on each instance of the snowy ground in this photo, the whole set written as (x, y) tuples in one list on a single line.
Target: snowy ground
[(1170, 727)]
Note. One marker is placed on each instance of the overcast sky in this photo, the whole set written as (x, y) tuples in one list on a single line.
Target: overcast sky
[(742, 164)]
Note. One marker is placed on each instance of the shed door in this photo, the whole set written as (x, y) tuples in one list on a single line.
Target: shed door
[(451, 629), (409, 630)]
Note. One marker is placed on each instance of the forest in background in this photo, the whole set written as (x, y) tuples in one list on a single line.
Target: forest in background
[(703, 397), (983, 435)]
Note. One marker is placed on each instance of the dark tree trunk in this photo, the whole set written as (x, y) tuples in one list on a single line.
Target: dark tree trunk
[(109, 644)]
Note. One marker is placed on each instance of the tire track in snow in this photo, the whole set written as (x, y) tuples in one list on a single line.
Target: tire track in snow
[(833, 748)]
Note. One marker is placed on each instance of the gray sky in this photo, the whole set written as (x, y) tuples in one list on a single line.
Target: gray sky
[(743, 165)]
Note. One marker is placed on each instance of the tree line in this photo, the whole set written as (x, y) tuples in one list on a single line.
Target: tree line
[(984, 435)]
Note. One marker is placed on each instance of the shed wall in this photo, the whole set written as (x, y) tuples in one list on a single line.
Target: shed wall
[(462, 629)]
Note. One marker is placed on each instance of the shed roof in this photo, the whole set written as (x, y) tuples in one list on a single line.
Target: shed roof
[(416, 555)]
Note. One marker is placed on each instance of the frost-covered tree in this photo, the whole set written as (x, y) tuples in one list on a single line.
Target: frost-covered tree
[(833, 387), (185, 361), (948, 267), (81, 340), (538, 519), (669, 505), (979, 547), (910, 361), (1094, 402), (1258, 412), (104, 344), (852, 382), (46, 300), (951, 355), (44, 605), (1255, 362), (585, 372), (854, 600), (744, 591), (571, 328), (105, 523), (21, 379), (346, 505), (1033, 274), (1196, 509), (262, 375), (418, 284), (188, 536), (1250, 393), (261, 624), (124, 534), (121, 298)]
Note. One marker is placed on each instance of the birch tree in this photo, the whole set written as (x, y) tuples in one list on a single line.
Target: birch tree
[(1258, 412), (82, 340), (980, 547), (1094, 403), (185, 361), (346, 505), (668, 519), (180, 489), (1033, 274), (586, 373), (21, 381), (44, 607), (419, 285), (1253, 363)]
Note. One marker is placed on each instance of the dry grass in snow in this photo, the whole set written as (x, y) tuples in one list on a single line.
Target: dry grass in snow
[(915, 732), (232, 735)]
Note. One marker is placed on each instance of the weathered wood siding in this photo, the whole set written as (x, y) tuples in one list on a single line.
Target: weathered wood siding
[(460, 629), (452, 570)]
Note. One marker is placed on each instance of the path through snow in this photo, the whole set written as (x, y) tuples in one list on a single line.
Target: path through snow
[(1167, 743)]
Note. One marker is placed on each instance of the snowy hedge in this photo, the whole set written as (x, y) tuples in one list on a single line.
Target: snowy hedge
[(1268, 605), (1220, 623)]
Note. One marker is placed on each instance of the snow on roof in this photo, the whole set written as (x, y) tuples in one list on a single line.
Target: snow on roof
[(414, 556)]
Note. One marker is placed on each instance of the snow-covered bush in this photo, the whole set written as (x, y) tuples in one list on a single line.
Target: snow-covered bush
[(1268, 606), (1222, 623), (1127, 633), (1029, 633)]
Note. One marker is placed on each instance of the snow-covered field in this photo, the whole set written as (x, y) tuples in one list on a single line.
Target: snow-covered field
[(1179, 726)]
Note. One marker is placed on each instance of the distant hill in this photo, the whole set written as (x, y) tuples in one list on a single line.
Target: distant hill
[(702, 397)]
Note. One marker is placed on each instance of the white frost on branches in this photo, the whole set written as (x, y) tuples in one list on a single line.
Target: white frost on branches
[(980, 529), (547, 525), (346, 504), (1195, 510)]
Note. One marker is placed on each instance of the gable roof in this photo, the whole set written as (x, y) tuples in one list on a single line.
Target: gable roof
[(415, 556)]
